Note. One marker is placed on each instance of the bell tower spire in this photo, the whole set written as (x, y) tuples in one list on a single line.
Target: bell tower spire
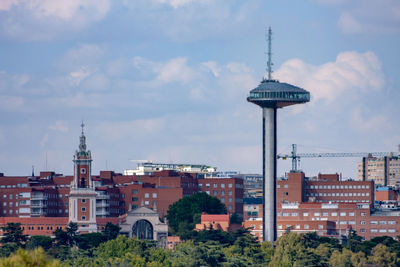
[(82, 143), (82, 200)]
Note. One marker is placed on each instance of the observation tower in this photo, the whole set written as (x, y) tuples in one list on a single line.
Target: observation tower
[(271, 95)]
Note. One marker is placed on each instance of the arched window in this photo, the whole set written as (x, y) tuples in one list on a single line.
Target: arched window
[(143, 229)]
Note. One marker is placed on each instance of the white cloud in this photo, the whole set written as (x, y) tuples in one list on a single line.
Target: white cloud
[(352, 72), (7, 4), (11, 103), (44, 140), (367, 16), (175, 70), (212, 66), (82, 58), (113, 131), (77, 76), (43, 19), (176, 3), (60, 126), (373, 123)]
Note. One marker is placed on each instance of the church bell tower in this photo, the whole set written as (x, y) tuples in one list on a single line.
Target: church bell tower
[(82, 199)]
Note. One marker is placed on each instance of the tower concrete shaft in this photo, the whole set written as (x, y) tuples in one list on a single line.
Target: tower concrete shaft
[(269, 174)]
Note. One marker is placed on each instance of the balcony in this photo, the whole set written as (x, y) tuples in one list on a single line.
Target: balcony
[(38, 212), (102, 213), (38, 205), (102, 197), (102, 204), (39, 197)]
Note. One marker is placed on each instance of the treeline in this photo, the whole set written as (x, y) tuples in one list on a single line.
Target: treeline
[(208, 248)]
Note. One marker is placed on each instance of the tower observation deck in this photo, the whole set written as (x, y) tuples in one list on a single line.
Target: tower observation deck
[(271, 95)]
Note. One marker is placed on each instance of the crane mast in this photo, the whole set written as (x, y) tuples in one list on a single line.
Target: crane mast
[(296, 156)]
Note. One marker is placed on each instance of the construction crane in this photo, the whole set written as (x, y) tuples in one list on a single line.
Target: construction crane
[(296, 156)]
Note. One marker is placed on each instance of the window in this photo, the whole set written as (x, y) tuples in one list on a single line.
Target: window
[(278, 186), (83, 170), (285, 186), (222, 185), (146, 202), (362, 222), (215, 185), (382, 230), (342, 222), (363, 213), (207, 185), (305, 213), (146, 195), (343, 214), (230, 185), (351, 213), (134, 191), (135, 199), (285, 214), (295, 214), (230, 199), (215, 193), (83, 200), (222, 192), (325, 214), (297, 226), (391, 230), (133, 206), (374, 222), (286, 193), (279, 226), (352, 222), (320, 226), (230, 192), (10, 196), (316, 213), (154, 195), (306, 226), (362, 231), (83, 209), (391, 222), (200, 185), (222, 199), (230, 207), (382, 222)]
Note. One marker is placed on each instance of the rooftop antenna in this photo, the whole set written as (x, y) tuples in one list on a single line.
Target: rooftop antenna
[(82, 125), (33, 171), (269, 62)]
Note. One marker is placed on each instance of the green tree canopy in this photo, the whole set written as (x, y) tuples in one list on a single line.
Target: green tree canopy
[(185, 213), (13, 233), (40, 241), (111, 231), (35, 257)]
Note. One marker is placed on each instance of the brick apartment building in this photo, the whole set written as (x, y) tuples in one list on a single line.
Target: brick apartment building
[(228, 190), (49, 201), (385, 171), (329, 207)]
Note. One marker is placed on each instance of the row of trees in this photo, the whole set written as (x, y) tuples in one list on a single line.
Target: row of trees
[(240, 249), (203, 248), (59, 247)]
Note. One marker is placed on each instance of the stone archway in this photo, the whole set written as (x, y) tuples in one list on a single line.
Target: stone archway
[(143, 229)]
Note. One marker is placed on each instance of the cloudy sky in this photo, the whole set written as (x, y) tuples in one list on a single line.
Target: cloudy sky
[(167, 80)]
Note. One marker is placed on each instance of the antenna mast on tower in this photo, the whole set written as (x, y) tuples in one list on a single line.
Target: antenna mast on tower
[(269, 62)]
